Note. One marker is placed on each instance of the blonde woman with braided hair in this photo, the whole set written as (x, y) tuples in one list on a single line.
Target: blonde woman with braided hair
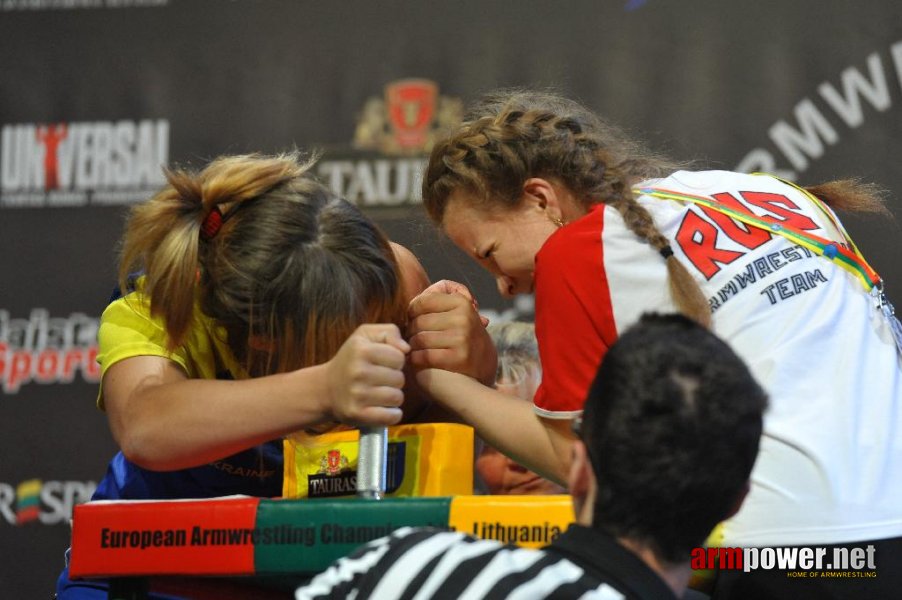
[(254, 304), (554, 202)]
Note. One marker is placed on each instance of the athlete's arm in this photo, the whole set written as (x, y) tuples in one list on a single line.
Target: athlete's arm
[(505, 422), (164, 421)]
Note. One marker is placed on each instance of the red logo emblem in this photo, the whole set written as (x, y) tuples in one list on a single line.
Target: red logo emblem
[(407, 119), (411, 107), (333, 463), (51, 136)]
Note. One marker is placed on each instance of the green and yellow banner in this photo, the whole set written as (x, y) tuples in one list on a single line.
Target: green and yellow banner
[(253, 536)]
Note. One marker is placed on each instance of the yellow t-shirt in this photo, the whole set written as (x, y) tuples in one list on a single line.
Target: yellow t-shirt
[(127, 329)]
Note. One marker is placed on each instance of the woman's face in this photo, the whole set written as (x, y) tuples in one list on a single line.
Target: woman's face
[(503, 476), (503, 241)]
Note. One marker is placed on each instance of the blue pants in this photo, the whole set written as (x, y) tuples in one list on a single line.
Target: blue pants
[(90, 589)]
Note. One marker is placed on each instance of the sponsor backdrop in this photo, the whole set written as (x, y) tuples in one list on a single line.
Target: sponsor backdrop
[(95, 95)]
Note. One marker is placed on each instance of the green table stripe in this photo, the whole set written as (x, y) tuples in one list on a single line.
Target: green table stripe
[(305, 536)]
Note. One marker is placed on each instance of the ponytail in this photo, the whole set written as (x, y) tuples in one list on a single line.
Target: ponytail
[(163, 236), (161, 240), (851, 195)]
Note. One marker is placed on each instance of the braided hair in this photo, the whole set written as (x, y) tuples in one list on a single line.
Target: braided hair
[(512, 136)]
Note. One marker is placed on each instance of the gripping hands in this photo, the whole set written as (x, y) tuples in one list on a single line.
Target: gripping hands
[(447, 332), (365, 377)]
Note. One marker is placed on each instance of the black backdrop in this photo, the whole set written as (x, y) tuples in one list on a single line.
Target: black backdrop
[(95, 94)]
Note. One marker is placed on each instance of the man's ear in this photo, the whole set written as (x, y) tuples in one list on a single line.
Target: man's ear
[(581, 483), (580, 470), (740, 498)]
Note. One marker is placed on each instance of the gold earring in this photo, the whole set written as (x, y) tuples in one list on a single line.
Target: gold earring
[(557, 221)]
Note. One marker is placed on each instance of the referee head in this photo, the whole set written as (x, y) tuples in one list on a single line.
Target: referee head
[(668, 437)]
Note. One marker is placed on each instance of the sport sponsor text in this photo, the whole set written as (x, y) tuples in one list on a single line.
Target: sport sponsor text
[(45, 502), (43, 349)]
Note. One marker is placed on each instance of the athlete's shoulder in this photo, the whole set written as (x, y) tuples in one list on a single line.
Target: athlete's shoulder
[(701, 182), (129, 302), (576, 237), (129, 310)]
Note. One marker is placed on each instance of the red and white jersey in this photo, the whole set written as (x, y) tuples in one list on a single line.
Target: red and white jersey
[(830, 465)]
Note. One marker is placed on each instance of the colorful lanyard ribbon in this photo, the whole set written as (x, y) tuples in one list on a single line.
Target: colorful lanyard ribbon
[(849, 259)]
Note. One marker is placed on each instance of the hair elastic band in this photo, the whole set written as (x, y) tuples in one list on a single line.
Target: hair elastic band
[(666, 251), (212, 223)]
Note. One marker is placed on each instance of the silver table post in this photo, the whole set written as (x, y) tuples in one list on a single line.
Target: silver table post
[(371, 462)]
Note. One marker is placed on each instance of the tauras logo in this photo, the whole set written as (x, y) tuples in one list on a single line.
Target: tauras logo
[(46, 350), (376, 183), (46, 502), (397, 129), (338, 477), (66, 164), (408, 119)]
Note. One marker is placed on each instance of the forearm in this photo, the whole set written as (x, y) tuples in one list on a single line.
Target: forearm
[(509, 424), (189, 422), (163, 420)]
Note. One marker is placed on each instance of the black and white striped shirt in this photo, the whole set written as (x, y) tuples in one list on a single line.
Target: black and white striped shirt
[(425, 563)]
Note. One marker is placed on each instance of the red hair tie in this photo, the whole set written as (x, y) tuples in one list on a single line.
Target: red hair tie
[(212, 223)]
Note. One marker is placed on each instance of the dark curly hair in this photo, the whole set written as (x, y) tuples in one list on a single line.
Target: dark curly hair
[(672, 424)]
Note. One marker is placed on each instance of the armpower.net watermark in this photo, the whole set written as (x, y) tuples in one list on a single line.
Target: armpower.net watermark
[(800, 561)]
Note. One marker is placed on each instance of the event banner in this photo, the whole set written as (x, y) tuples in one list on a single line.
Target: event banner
[(96, 96), (248, 536)]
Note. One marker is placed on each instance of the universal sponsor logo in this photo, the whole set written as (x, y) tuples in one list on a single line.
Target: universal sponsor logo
[(45, 502), (396, 130), (23, 5), (813, 127), (804, 562), (80, 164), (44, 349)]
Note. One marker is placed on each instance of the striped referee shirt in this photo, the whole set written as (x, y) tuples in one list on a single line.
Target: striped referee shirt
[(425, 563)]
